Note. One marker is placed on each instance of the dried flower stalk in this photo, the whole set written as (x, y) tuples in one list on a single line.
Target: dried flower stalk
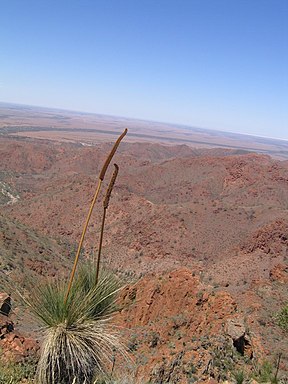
[(101, 178), (105, 206)]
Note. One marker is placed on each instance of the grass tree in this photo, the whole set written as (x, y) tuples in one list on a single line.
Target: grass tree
[(79, 340)]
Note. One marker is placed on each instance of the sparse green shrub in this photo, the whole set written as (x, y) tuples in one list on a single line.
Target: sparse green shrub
[(239, 377), (265, 373), (282, 318), (14, 373)]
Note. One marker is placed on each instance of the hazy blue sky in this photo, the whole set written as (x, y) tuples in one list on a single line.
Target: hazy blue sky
[(220, 64)]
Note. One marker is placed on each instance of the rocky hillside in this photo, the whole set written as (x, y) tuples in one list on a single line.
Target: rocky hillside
[(205, 231)]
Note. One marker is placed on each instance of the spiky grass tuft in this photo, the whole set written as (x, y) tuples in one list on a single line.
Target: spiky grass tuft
[(76, 353), (104, 303), (79, 340)]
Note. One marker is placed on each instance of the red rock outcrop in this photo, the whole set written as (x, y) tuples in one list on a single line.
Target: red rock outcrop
[(174, 319), (279, 273), (271, 238)]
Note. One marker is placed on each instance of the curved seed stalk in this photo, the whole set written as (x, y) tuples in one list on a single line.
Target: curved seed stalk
[(101, 178), (105, 206), (109, 158)]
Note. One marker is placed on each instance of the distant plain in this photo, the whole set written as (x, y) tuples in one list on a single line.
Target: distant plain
[(90, 129)]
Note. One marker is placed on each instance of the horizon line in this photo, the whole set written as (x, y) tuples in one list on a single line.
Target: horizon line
[(147, 120)]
